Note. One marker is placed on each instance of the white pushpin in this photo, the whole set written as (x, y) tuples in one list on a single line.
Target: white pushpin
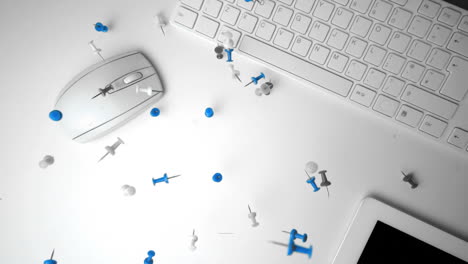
[(160, 21), (252, 216), (235, 73), (128, 190), (228, 41), (148, 90), (111, 149), (265, 89), (46, 161), (311, 167), (95, 49), (194, 240)]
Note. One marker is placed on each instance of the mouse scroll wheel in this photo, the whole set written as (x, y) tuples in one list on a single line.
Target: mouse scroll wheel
[(132, 77)]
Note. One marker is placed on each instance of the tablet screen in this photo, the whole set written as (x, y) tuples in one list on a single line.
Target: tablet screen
[(390, 245)]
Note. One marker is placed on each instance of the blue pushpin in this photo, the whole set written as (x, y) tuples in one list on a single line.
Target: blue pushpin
[(51, 261), (163, 179), (217, 177), (149, 259), (295, 248), (155, 112), (209, 112), (256, 79), (311, 180), (254, 1), (55, 115), (295, 235), (229, 54), (99, 27)]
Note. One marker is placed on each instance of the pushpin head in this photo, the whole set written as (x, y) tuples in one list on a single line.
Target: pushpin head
[(46, 161), (155, 112), (311, 167), (55, 115), (217, 177), (266, 88), (209, 112), (50, 261), (100, 27), (151, 253), (128, 190)]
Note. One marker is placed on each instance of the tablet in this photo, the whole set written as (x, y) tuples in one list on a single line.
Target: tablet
[(380, 233)]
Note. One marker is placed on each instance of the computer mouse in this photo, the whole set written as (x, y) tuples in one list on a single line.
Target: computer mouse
[(107, 95)]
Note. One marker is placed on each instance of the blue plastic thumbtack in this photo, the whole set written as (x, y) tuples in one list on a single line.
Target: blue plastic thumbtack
[(51, 260), (229, 54), (256, 79), (55, 115), (163, 179), (311, 180), (295, 235), (149, 259), (209, 112), (217, 177), (155, 112), (99, 27), (295, 248)]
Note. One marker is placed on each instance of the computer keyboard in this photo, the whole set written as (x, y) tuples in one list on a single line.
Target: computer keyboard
[(406, 60)]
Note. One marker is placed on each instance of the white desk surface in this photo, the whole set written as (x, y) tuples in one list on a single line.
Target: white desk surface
[(260, 144)]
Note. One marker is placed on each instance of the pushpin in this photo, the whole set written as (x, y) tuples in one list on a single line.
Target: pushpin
[(295, 248), (228, 44), (256, 79), (295, 235), (229, 54), (325, 182), (194, 240), (252, 216), (55, 115), (128, 190), (155, 112), (217, 177), (99, 27), (163, 179), (219, 52), (104, 91), (409, 178), (225, 233), (257, 1), (111, 149), (235, 73), (161, 23), (311, 180), (209, 112), (265, 89), (51, 260), (46, 161), (95, 49), (311, 167), (149, 259), (148, 90)]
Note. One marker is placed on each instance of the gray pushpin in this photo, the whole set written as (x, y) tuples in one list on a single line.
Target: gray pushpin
[(219, 51), (104, 91), (325, 182), (111, 149), (265, 89), (252, 216), (96, 50), (128, 190), (194, 240), (409, 178), (46, 161)]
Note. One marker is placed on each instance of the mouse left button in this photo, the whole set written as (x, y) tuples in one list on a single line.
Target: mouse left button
[(55, 115), (133, 77)]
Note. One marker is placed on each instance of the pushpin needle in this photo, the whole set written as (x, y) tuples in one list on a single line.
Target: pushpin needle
[(248, 83), (104, 156), (307, 174), (174, 177), (328, 192), (250, 211), (286, 232), (52, 256), (278, 243)]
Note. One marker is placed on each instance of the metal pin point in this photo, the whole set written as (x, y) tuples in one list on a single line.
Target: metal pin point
[(325, 182), (111, 149), (164, 179), (252, 216), (409, 178)]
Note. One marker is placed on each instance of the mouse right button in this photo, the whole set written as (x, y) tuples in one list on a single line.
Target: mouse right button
[(132, 77)]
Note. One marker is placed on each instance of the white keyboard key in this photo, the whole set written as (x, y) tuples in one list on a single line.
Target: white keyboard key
[(343, 2), (374, 78), (230, 15), (356, 47), (380, 10), (393, 86), (356, 70), (360, 5), (337, 62), (195, 4), (319, 54), (207, 27), (319, 31), (301, 23), (375, 55), (449, 16), (399, 42), (400, 2), (459, 44), (409, 116), (463, 24), (283, 38), (245, 5), (439, 35), (458, 138), (456, 85), (266, 9), (301, 46), (433, 80), (298, 67), (247, 22), (235, 35), (212, 7), (386, 106), (433, 126), (380, 34), (399, 18), (362, 95), (323, 10), (283, 15), (185, 17), (438, 58), (419, 26), (419, 50), (337, 39), (394, 63), (361, 26), (304, 5), (413, 71), (429, 8), (287, 2), (342, 18), (265, 30), (428, 101)]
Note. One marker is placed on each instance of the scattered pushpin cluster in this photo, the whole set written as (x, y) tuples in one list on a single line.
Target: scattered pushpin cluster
[(312, 167), (128, 190), (194, 240), (111, 149), (163, 179), (161, 22), (149, 259), (46, 161), (252, 216), (95, 50), (99, 27), (256, 79), (409, 178), (264, 89), (51, 260)]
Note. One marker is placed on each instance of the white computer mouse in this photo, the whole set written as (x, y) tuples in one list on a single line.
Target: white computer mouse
[(103, 96)]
